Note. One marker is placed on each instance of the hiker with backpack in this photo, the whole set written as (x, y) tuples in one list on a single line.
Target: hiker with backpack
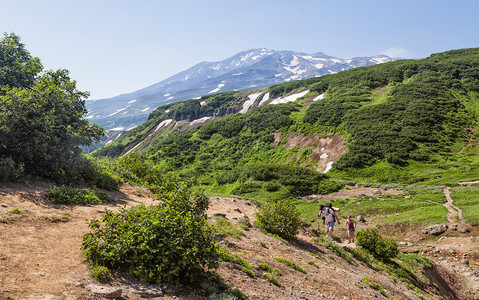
[(351, 224), (329, 217)]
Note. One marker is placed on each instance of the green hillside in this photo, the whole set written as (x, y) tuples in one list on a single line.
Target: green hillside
[(405, 121)]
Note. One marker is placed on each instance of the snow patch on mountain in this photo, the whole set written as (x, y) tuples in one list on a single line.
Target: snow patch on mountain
[(247, 104), (119, 110), (265, 98), (289, 98), (217, 89), (164, 123), (329, 165), (320, 97), (200, 121)]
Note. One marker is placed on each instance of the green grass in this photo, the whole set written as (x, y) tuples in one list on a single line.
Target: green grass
[(223, 226), (291, 264), (467, 199), (68, 195), (412, 208)]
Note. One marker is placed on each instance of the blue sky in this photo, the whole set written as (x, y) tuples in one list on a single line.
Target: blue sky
[(113, 47)]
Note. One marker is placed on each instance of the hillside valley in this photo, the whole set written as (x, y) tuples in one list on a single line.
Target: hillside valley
[(217, 197)]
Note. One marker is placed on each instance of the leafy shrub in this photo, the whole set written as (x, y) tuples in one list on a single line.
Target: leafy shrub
[(272, 186), (280, 218), (245, 188), (10, 170), (68, 195), (101, 273), (223, 226), (273, 275), (382, 248), (327, 243), (157, 243), (328, 186), (291, 264)]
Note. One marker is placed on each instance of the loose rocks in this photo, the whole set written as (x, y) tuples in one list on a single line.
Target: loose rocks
[(434, 230)]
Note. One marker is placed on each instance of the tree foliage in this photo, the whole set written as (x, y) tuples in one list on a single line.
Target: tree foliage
[(41, 117), (17, 67)]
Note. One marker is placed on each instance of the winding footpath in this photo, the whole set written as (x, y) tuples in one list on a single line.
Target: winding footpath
[(454, 210)]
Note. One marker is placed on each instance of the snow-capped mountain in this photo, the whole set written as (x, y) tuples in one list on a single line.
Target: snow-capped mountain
[(256, 68)]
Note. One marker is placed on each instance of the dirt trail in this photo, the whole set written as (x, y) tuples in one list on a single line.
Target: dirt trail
[(453, 210), (468, 183)]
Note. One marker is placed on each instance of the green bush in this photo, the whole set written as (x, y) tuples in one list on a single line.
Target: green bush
[(101, 273), (280, 218), (9, 170), (292, 264), (158, 243), (245, 188), (68, 195), (272, 186), (382, 248)]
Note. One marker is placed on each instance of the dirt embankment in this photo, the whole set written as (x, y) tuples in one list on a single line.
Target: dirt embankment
[(40, 256)]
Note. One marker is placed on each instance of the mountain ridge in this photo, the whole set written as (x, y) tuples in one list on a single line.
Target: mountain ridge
[(255, 68)]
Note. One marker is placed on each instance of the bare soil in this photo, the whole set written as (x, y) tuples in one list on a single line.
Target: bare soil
[(40, 256)]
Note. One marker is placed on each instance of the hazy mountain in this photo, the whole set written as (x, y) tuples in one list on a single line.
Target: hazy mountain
[(256, 68)]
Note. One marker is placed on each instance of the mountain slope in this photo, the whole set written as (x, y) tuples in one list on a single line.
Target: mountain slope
[(250, 69), (401, 121)]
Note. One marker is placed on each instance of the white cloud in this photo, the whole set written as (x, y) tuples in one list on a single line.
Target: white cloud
[(398, 52)]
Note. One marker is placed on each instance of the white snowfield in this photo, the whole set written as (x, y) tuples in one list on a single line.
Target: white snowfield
[(265, 98), (163, 123), (217, 89), (200, 121), (132, 101), (247, 104), (320, 97), (328, 167), (289, 98), (114, 113), (145, 109)]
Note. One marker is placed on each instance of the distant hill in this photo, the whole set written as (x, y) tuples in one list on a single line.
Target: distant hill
[(402, 121), (256, 68)]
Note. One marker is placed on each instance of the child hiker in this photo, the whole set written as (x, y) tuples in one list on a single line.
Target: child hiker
[(351, 224)]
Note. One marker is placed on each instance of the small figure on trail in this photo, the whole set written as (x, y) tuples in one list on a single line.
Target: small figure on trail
[(329, 217), (351, 224)]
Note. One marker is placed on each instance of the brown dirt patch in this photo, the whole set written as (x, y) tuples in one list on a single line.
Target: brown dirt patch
[(325, 149)]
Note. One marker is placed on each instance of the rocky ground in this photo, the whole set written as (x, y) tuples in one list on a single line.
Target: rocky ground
[(40, 256)]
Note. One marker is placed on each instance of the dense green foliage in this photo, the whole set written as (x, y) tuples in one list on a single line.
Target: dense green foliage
[(17, 67), (291, 179), (280, 218), (159, 243), (424, 111), (404, 121), (381, 248), (67, 195), (41, 116)]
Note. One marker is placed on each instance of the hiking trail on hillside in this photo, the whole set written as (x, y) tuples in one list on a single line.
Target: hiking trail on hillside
[(40, 255)]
